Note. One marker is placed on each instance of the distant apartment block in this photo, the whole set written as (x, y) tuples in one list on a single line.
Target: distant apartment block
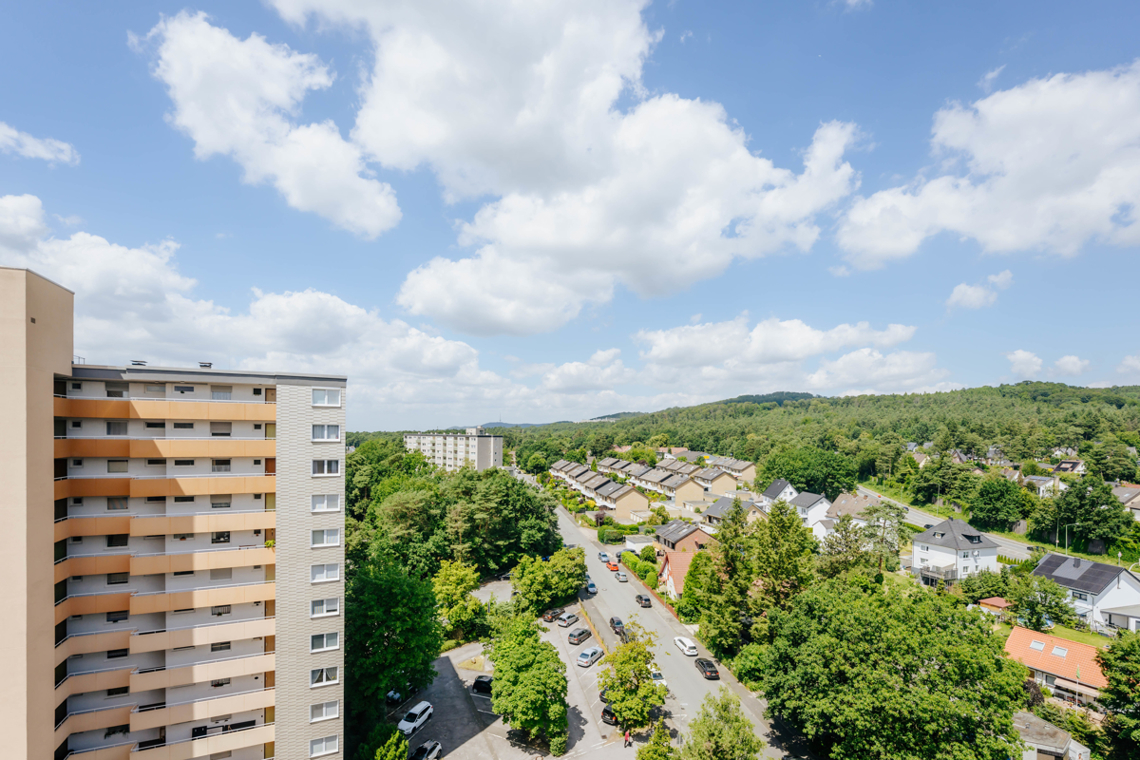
[(453, 451), (173, 559)]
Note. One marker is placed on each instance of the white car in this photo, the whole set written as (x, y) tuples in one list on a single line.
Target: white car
[(589, 656), (416, 718), (686, 646), (567, 619), (622, 577), (658, 679)]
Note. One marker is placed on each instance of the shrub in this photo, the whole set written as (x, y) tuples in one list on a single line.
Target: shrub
[(558, 745), (450, 644)]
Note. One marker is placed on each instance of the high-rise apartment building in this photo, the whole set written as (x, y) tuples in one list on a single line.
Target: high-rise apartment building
[(173, 561), (452, 451)]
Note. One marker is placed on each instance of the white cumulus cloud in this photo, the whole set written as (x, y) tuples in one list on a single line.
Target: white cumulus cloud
[(1048, 165), (1071, 365), (987, 80), (1024, 364), (971, 297), (15, 142)]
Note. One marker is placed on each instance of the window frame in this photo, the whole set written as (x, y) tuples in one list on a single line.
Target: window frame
[(325, 390), (324, 637), (324, 606), (324, 497), (325, 751), (324, 711), (325, 534), (324, 433), (325, 566), (324, 468), (318, 684)]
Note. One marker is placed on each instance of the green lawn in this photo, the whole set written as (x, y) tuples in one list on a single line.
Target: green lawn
[(1061, 632)]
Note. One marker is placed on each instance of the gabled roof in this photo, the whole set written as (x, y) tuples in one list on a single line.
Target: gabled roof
[(576, 470), (778, 485), (676, 566), (711, 473), (674, 530), (851, 504), (671, 464), (807, 499), (596, 481), (1126, 492), (622, 492), (606, 489), (608, 462), (559, 465), (721, 506), (637, 470), (675, 480), (1076, 573), (955, 534), (1069, 465), (1059, 657), (1040, 734), (656, 475)]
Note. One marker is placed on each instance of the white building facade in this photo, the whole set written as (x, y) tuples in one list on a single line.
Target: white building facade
[(453, 451)]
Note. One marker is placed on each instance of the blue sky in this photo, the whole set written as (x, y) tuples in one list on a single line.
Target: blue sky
[(575, 210)]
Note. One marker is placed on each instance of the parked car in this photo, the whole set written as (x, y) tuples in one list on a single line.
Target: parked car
[(567, 619), (589, 656), (416, 718), (658, 679), (578, 635), (621, 576), (604, 557), (686, 646), (707, 668), (608, 716), (591, 588), (643, 600), (551, 615), (396, 696), (482, 684), (505, 577), (428, 751), (603, 696), (612, 565), (617, 626)]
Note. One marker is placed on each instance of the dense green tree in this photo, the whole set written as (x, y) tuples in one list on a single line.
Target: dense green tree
[(396, 748), (376, 742), (458, 608), (529, 690), (659, 746), (884, 673), (811, 469), (726, 604), (536, 463), (697, 579), (1120, 663), (997, 504), (627, 678), (1091, 504), (721, 731), (648, 554), (539, 583), (843, 549), (884, 528), (783, 551), (1111, 460), (984, 585), (1035, 598)]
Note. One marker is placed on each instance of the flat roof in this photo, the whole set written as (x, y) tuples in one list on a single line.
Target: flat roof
[(188, 374)]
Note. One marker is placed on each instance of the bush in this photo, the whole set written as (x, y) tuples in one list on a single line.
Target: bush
[(558, 745), (450, 644), (747, 665)]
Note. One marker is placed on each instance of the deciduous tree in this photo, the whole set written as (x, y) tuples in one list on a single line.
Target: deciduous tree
[(811, 469), (529, 690), (784, 546), (843, 549), (627, 677), (1120, 663), (458, 609), (884, 528), (1036, 599), (721, 731), (659, 746), (997, 504)]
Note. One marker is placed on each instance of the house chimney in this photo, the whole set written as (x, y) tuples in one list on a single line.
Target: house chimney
[(1076, 561)]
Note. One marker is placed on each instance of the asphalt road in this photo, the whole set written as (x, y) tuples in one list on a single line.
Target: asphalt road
[(1009, 547)]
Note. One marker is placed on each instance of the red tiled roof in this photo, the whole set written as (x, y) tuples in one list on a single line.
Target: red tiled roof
[(995, 601), (1078, 663), (677, 566)]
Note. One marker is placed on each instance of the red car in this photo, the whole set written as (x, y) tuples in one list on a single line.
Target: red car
[(612, 565)]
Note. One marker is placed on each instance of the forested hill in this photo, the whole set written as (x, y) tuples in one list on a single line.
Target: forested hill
[(1026, 420)]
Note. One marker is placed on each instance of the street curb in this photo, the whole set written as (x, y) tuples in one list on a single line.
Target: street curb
[(589, 622)]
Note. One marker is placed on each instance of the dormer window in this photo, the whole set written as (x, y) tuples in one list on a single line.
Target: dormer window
[(974, 539), (939, 535)]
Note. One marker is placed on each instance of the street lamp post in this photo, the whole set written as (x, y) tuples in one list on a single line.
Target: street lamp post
[(1067, 535)]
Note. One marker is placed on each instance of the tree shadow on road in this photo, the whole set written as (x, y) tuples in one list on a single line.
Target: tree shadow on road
[(781, 736), (577, 724)]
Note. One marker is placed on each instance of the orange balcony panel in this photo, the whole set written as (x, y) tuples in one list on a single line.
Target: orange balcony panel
[(65, 489), (205, 560), (210, 745), (95, 642), (80, 684), (111, 447), (203, 486), (202, 635), (166, 526), (184, 600), (162, 409), (91, 605), (206, 708), (92, 526), (109, 408), (171, 677), (211, 448), (75, 566), (114, 716), (121, 752)]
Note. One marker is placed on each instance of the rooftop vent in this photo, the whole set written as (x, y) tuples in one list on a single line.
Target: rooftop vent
[(205, 365), (138, 362)]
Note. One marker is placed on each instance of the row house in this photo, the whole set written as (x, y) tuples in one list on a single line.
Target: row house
[(676, 465), (620, 498), (718, 511), (716, 481), (682, 536), (1106, 597), (738, 468)]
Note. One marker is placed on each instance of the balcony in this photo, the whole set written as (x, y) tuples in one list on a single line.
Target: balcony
[(202, 522), (103, 525), (166, 485), (120, 751), (221, 741), (200, 672), (164, 409), (201, 709), (97, 564), (204, 559), (86, 643), (91, 720), (91, 604), (200, 635), (95, 680), (947, 573), (165, 447), (164, 601)]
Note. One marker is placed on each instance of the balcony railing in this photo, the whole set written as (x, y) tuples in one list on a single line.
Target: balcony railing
[(213, 548), (71, 714), (215, 729), (203, 625), (128, 397), (206, 698), (948, 573), (202, 588), (168, 476), (177, 666)]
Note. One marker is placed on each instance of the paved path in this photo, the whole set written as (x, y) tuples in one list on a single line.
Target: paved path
[(1008, 547)]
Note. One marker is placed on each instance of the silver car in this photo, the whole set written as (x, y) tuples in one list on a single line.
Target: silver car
[(589, 656)]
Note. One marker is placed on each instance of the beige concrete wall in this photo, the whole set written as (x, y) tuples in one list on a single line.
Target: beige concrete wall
[(31, 354)]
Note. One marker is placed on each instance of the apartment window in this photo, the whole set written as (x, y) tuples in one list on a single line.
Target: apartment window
[(220, 609), (156, 463), (965, 555), (326, 466), (183, 425), (183, 462), (183, 499), (221, 429), (327, 502), (118, 617), (1080, 596), (183, 536), (155, 388), (257, 391), (156, 500), (117, 390), (77, 501), (117, 579), (76, 462), (77, 423), (119, 691), (184, 389), (323, 676), (324, 573), (156, 426), (181, 573), (220, 501), (324, 607), (116, 465), (324, 711), (116, 427), (326, 746), (322, 642), (924, 548), (220, 465), (222, 574), (326, 537), (77, 386), (219, 682), (115, 654), (117, 539), (221, 392), (326, 432), (184, 611), (220, 537), (220, 646), (326, 397)]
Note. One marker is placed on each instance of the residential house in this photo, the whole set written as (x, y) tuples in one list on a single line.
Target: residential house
[(812, 509), (1062, 453), (1044, 485), (673, 452), (996, 458), (1072, 466), (608, 464), (671, 576), (619, 498), (911, 446), (779, 489), (1129, 495), (1068, 668), (1011, 474), (677, 466), (740, 469), (1044, 741), (678, 535), (716, 513), (715, 480), (679, 487), (995, 605), (851, 504), (1104, 596), (952, 550), (920, 458)]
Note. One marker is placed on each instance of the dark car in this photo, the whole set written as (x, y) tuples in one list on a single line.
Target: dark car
[(708, 669), (617, 626), (602, 696), (551, 615), (428, 751), (482, 685), (578, 635), (608, 715), (643, 600)]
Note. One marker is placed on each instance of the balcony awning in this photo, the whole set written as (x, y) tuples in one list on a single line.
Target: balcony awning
[(1078, 688)]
